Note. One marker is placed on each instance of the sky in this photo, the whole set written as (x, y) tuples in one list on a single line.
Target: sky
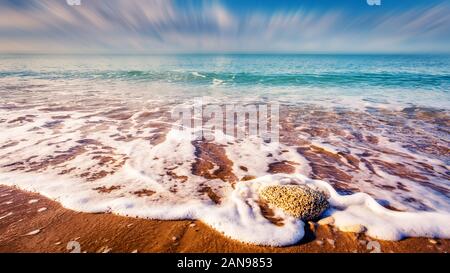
[(253, 26)]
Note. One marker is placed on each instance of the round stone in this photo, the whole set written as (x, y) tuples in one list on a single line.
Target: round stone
[(299, 201)]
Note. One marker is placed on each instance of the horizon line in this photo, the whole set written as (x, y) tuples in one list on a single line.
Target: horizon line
[(232, 53)]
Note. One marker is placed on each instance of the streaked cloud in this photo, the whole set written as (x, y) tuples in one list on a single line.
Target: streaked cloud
[(170, 26)]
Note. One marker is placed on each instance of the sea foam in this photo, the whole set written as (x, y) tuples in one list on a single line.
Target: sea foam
[(239, 215)]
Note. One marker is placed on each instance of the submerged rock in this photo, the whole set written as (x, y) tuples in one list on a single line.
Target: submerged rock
[(299, 201)]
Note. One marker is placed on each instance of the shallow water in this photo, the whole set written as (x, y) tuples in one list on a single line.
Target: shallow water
[(386, 79)]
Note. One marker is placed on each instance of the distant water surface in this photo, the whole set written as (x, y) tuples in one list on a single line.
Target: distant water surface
[(342, 80)]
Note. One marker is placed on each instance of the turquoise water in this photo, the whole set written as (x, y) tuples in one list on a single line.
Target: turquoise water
[(409, 79)]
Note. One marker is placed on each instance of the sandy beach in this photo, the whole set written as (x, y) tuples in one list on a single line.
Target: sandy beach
[(52, 228)]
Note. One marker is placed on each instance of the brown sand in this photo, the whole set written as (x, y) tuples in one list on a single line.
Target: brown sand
[(54, 227)]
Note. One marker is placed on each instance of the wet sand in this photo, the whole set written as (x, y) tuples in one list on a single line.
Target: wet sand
[(30, 222)]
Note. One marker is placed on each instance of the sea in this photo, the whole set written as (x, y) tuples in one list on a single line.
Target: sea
[(96, 134)]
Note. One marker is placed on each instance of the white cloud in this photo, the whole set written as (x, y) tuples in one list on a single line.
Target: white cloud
[(160, 26)]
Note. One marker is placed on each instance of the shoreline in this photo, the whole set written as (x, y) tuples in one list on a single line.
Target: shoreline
[(34, 223), (127, 161)]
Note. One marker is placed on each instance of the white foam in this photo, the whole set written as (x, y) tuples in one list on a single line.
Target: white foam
[(217, 82), (195, 73), (34, 232), (238, 216), (6, 215)]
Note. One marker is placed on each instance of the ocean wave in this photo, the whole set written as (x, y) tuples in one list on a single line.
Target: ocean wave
[(350, 79)]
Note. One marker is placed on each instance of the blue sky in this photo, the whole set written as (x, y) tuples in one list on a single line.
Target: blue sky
[(164, 26)]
